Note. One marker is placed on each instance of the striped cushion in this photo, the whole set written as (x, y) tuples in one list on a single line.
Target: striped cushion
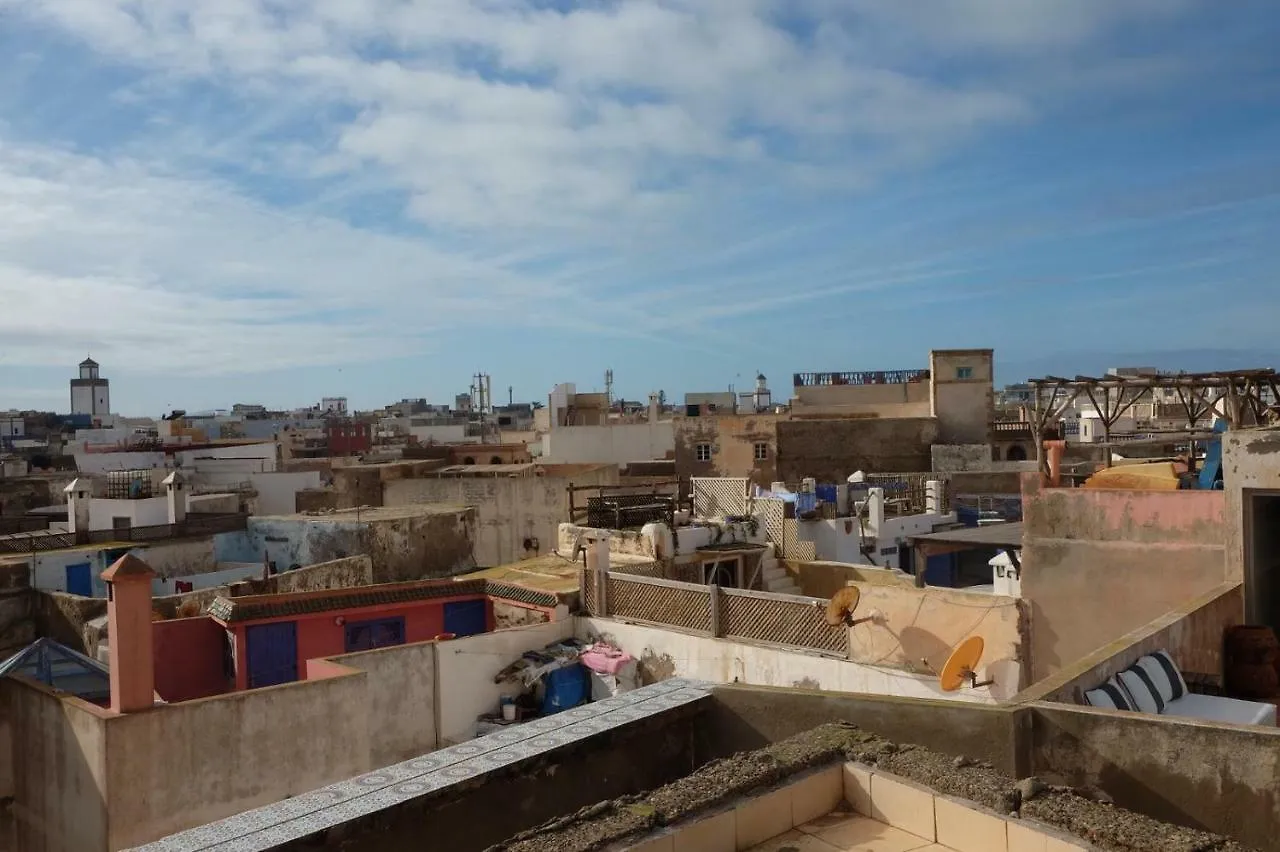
[(1164, 672), (1142, 689), (1110, 695)]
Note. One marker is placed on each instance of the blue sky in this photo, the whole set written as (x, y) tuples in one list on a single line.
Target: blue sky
[(274, 200)]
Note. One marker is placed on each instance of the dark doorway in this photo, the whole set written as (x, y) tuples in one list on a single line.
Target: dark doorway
[(1016, 453), (1262, 558)]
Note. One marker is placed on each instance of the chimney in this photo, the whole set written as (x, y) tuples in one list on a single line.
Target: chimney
[(598, 553), (129, 631), (175, 489), (1055, 449), (654, 410), (78, 496)]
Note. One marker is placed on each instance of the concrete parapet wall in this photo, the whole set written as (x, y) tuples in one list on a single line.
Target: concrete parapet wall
[(1192, 634), (1098, 564)]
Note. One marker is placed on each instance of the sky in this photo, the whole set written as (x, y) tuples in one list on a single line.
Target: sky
[(270, 201)]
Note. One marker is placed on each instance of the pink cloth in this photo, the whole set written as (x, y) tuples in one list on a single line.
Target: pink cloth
[(605, 659)]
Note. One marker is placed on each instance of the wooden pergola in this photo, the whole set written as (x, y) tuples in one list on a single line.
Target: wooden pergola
[(1234, 395)]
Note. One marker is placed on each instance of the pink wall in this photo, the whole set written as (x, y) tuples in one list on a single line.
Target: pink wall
[(189, 658), (320, 634), (1099, 563)]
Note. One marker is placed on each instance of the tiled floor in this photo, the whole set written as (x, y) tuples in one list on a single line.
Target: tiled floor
[(267, 827), (845, 832)]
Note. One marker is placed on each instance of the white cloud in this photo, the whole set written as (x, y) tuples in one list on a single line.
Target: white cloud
[(507, 132)]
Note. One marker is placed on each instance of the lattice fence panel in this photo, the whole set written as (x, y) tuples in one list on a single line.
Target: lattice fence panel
[(771, 511), (590, 597), (792, 547), (639, 569), (678, 607), (718, 495), (780, 620)]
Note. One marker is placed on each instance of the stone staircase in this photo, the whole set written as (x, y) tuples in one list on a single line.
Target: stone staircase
[(776, 578)]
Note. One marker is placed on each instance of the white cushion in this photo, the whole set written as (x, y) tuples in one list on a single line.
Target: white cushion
[(1163, 672), (1216, 708), (1111, 696), (1145, 695)]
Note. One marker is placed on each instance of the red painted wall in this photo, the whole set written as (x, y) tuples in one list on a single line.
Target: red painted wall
[(348, 438), (320, 635), (188, 658)]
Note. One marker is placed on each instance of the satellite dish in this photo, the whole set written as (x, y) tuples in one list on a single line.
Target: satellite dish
[(841, 606), (962, 666)]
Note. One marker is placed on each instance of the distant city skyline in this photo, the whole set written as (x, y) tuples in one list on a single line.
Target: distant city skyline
[(247, 203)]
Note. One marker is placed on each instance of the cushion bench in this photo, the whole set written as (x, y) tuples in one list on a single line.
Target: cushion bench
[(1154, 685)]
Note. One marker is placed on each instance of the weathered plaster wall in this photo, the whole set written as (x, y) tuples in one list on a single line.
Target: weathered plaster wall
[(830, 450), (58, 762), (615, 444), (664, 653), (1218, 778), (187, 764), (909, 399), (62, 617), (956, 457), (509, 510), (1192, 634), (189, 658), (181, 557), (465, 669), (1098, 564), (742, 719), (406, 545), (400, 699), (963, 404), (733, 440), (823, 579), (17, 622), (927, 624), (436, 544), (1250, 463)]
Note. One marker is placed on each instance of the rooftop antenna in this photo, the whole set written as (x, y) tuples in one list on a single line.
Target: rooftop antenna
[(608, 388), (962, 666)]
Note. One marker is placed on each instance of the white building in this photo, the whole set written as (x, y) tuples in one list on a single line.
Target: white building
[(12, 425), (334, 405), (90, 394)]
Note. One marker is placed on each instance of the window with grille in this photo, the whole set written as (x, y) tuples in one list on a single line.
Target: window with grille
[(702, 452), (964, 372), (762, 451)]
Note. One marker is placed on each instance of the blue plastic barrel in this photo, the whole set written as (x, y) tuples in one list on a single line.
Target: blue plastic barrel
[(565, 689)]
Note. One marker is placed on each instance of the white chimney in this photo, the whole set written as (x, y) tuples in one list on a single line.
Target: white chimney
[(598, 553), (933, 497), (79, 495), (175, 488)]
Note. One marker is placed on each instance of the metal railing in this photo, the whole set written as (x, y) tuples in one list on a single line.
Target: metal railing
[(860, 377)]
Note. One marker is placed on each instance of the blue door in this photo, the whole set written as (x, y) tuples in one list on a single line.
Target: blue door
[(464, 618), (272, 653), (80, 579)]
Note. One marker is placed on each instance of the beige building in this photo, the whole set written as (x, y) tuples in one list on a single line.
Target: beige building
[(838, 423)]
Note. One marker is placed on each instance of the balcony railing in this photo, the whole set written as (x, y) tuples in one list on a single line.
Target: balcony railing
[(861, 377), (192, 526)]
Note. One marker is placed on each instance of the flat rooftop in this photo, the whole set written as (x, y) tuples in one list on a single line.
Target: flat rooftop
[(550, 573), (992, 535), (371, 513), (525, 469)]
